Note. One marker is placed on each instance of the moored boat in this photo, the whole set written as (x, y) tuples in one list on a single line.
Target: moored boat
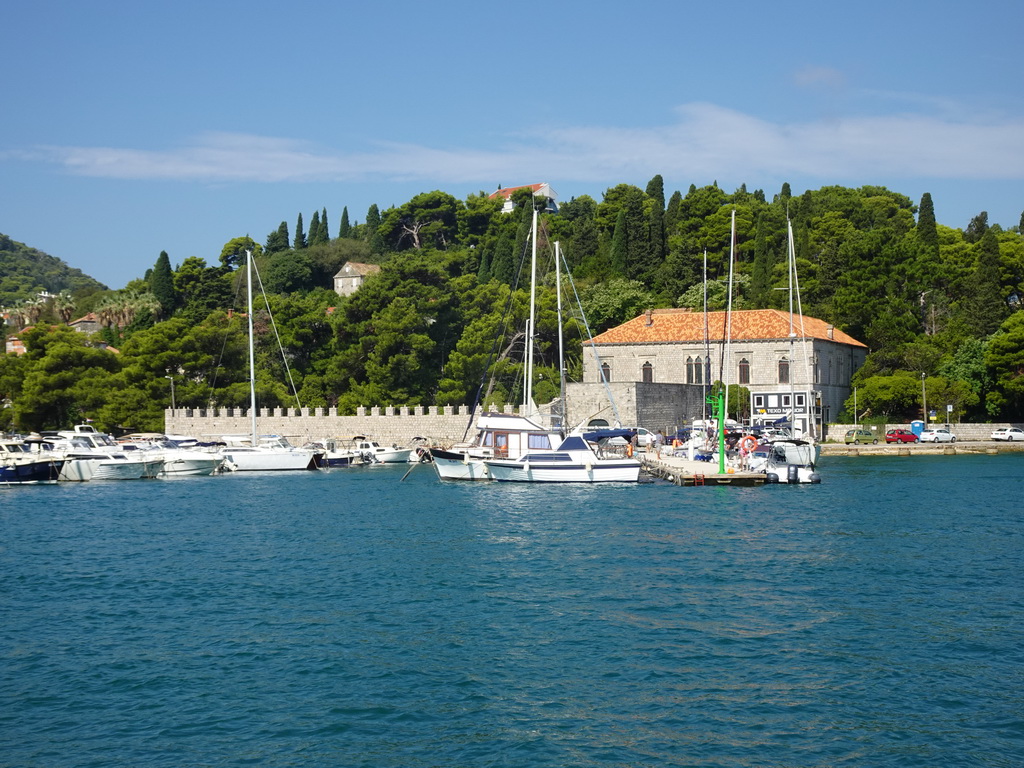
[(93, 455), (499, 436), (19, 465), (579, 459)]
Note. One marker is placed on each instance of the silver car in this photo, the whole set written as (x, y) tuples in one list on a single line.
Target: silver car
[(937, 436)]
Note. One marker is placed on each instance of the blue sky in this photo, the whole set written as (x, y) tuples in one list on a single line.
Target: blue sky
[(131, 128)]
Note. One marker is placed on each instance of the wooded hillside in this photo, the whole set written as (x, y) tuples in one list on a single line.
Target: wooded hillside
[(426, 329)]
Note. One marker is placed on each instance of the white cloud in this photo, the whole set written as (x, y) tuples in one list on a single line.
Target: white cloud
[(705, 140)]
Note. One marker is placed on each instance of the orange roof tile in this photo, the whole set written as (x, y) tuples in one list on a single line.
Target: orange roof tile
[(684, 325), (507, 191)]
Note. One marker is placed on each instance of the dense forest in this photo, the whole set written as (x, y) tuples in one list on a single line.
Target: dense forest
[(933, 303)]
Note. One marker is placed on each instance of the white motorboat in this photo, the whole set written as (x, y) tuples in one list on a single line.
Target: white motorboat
[(499, 436), (382, 454), (93, 455), (579, 459), (270, 453), (178, 459), (20, 465)]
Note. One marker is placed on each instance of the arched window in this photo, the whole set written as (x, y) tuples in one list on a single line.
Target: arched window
[(648, 373), (606, 372), (783, 371), (707, 369), (689, 370), (744, 372)]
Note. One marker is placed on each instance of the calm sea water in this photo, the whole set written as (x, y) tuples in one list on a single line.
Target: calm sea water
[(350, 619)]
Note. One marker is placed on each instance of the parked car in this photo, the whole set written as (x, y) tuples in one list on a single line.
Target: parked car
[(900, 436), (644, 438), (939, 435), (860, 436), (1008, 433)]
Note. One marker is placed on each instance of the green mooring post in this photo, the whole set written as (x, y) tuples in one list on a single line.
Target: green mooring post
[(718, 402)]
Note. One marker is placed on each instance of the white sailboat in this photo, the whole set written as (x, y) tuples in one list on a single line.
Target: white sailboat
[(793, 459), (580, 457), (502, 435), (262, 453)]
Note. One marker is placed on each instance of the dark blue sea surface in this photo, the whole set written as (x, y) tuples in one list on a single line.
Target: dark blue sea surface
[(348, 618)]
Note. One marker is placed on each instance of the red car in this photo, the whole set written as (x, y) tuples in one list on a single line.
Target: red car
[(901, 436)]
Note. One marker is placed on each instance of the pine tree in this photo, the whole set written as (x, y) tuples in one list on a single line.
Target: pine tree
[(977, 228), (987, 303), (373, 236), (161, 284), (672, 213), (325, 231), (656, 221), (314, 229), (345, 230), (300, 238), (620, 251), (277, 240)]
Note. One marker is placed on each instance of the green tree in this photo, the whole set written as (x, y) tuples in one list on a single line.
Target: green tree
[(232, 255), (315, 236), (300, 236), (427, 220), (277, 240), (373, 234), (987, 301), (1004, 358), (612, 303), (977, 228), (66, 379), (345, 229), (161, 285)]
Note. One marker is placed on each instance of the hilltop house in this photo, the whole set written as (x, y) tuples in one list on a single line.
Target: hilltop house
[(805, 376), (351, 276), (539, 190), (89, 323)]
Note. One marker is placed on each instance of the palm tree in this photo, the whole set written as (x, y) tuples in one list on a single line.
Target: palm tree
[(64, 306)]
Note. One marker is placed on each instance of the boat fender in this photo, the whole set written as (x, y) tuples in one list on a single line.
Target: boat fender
[(815, 477), (526, 466), (589, 466), (771, 477), (792, 473), (749, 442)]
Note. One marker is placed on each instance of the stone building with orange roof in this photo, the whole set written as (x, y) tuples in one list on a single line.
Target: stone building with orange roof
[(806, 376)]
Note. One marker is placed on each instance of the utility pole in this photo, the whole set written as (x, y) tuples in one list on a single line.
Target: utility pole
[(924, 402)]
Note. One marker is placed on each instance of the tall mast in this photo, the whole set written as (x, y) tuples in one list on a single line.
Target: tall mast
[(561, 348), (528, 387), (252, 354), (728, 314), (792, 332), (705, 364)]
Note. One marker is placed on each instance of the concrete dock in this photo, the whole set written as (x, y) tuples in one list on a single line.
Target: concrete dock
[(696, 473)]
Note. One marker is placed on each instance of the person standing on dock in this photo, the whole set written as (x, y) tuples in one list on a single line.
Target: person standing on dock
[(659, 442)]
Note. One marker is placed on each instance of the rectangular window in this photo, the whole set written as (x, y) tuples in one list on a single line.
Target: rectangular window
[(785, 401), (759, 401), (539, 442)]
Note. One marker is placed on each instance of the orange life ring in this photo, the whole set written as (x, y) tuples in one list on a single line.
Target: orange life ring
[(748, 442)]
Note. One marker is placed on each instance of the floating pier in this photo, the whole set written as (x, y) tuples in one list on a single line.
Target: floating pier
[(697, 473)]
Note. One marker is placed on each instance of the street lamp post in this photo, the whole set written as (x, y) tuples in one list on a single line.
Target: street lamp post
[(171, 379), (924, 402)]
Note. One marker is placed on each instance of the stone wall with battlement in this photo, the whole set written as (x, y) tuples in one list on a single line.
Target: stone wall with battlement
[(441, 425)]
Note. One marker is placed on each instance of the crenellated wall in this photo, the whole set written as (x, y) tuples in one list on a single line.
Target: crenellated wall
[(441, 425)]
